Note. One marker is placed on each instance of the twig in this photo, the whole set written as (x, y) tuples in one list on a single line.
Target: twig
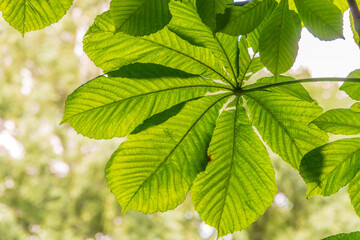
[(356, 14)]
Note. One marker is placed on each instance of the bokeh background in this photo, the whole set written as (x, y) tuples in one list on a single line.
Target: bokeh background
[(52, 183)]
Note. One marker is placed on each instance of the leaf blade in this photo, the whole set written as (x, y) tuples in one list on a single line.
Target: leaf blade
[(187, 24), (354, 193), (140, 17), (339, 121), (322, 18), (352, 89), (283, 122), (328, 168), (278, 43), (162, 161), (216, 194), (97, 108), (26, 16), (111, 51), (344, 236), (239, 20), (208, 9)]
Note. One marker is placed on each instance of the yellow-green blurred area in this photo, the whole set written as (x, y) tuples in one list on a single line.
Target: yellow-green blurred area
[(52, 183)]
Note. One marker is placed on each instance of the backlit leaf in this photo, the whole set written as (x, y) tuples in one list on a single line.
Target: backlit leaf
[(238, 20), (321, 17), (339, 121), (208, 9), (330, 167), (238, 185), (154, 169), (111, 51), (28, 15), (279, 40), (139, 17), (282, 120), (354, 193), (113, 106), (187, 24), (344, 236), (248, 65), (351, 88)]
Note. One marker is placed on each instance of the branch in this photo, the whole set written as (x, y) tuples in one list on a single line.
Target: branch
[(277, 84), (356, 14)]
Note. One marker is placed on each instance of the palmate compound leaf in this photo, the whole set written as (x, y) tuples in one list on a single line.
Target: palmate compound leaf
[(154, 169), (321, 17), (112, 106), (111, 51), (351, 88), (139, 17), (344, 236), (282, 117), (330, 167), (238, 185), (29, 15), (278, 43), (238, 20)]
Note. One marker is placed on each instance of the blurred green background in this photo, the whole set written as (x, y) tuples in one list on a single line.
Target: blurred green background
[(52, 183)]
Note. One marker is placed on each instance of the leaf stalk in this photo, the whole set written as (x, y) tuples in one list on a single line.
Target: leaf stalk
[(355, 14), (305, 80)]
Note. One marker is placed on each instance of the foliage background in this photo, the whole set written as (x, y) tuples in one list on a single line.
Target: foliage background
[(52, 183)]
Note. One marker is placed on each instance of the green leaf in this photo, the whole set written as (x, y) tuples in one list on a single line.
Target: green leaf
[(247, 65), (187, 24), (254, 36), (154, 169), (339, 121), (140, 17), (111, 51), (354, 193), (322, 18), (208, 9), (113, 106), (278, 42), (282, 120), (330, 167), (355, 107), (351, 88), (344, 236), (295, 89), (238, 185), (27, 15), (341, 4), (238, 20)]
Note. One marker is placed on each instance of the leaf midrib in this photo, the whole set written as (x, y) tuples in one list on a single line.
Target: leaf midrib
[(231, 166), (280, 37), (174, 148), (141, 95)]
